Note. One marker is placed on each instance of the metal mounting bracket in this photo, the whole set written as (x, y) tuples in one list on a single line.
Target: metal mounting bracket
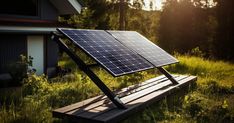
[(168, 75), (86, 69)]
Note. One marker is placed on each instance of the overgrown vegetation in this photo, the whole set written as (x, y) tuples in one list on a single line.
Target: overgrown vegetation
[(182, 24), (211, 101), (18, 71)]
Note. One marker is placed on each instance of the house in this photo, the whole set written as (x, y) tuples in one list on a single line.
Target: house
[(25, 28)]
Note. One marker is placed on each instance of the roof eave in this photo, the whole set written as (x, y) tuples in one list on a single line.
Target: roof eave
[(26, 30), (66, 7)]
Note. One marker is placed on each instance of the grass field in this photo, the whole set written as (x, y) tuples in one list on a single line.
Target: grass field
[(211, 101)]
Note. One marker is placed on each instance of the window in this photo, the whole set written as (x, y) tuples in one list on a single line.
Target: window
[(19, 7)]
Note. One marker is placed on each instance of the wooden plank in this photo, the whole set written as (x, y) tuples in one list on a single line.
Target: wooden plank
[(100, 109), (152, 88), (144, 85), (83, 106), (102, 103), (134, 106), (102, 97), (116, 115), (132, 87), (128, 98), (79, 104)]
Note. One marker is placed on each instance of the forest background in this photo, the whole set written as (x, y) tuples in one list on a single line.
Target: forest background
[(179, 26)]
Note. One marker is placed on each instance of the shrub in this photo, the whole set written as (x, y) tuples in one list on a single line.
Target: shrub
[(196, 52), (204, 109), (18, 69), (34, 84), (195, 104), (35, 111)]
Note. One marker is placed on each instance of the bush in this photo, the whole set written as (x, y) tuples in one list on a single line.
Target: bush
[(34, 84), (196, 52), (204, 109), (35, 111), (18, 69)]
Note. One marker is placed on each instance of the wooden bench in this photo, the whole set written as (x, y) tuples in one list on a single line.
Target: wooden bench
[(100, 109)]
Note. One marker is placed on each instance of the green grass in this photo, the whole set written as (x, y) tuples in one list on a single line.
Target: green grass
[(211, 101), (206, 70)]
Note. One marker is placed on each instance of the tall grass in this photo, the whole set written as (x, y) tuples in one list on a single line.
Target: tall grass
[(211, 101)]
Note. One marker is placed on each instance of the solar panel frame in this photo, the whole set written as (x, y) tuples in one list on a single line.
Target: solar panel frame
[(149, 52), (61, 30)]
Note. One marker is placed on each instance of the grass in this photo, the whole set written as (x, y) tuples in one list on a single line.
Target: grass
[(211, 101)]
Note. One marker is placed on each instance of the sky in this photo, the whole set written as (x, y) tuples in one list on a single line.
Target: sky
[(157, 4)]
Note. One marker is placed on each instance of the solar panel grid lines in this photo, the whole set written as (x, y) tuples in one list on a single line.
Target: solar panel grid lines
[(106, 50), (147, 49)]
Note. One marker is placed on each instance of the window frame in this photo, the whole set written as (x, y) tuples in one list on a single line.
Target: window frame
[(37, 16)]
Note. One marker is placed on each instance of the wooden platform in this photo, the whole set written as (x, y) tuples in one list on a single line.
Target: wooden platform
[(100, 110)]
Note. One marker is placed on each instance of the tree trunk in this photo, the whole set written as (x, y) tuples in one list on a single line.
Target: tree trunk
[(121, 15)]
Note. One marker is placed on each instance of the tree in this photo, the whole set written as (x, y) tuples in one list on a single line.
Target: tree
[(176, 26), (95, 15), (121, 14), (151, 5), (224, 43), (185, 25)]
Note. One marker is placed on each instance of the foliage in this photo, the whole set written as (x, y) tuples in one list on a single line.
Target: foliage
[(104, 14), (184, 26), (94, 16), (150, 18), (180, 26), (211, 101), (34, 84), (223, 44), (18, 70), (197, 52), (203, 109)]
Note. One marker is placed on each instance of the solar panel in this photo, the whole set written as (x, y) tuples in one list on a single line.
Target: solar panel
[(135, 41), (106, 50)]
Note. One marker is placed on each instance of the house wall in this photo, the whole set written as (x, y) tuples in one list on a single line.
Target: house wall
[(52, 55), (43, 50), (11, 47), (45, 54), (48, 11), (35, 49), (17, 41)]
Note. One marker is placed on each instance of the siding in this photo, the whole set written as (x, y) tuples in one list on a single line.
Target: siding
[(52, 53), (48, 11), (11, 47)]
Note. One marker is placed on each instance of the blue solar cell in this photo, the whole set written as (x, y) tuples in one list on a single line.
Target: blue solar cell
[(136, 42), (106, 50)]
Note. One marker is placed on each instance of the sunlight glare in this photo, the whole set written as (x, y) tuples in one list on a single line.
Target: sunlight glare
[(157, 4)]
